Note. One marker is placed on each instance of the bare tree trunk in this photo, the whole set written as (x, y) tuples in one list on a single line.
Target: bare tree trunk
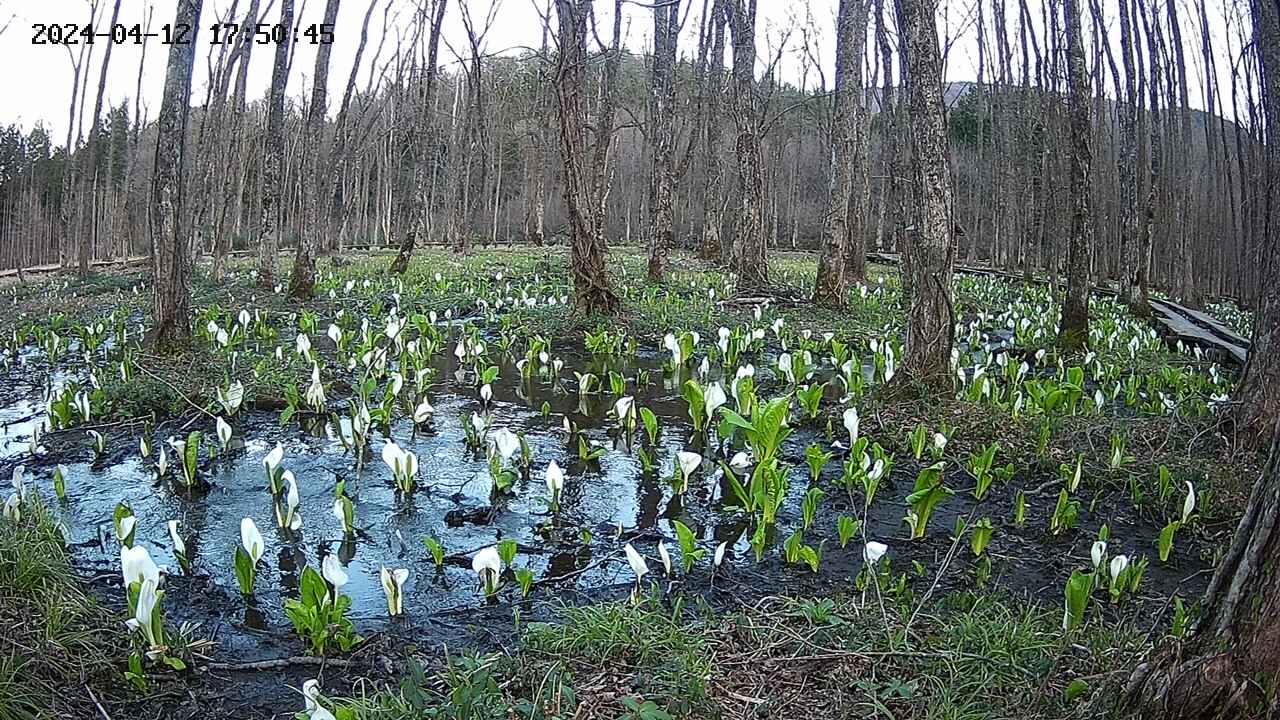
[(662, 136), (1073, 329), (586, 188), (235, 132), (535, 195), (1259, 391), (844, 223), (171, 291), (88, 236), (712, 198), (303, 282), (930, 256), (425, 130), (1126, 168), (273, 165), (750, 245)]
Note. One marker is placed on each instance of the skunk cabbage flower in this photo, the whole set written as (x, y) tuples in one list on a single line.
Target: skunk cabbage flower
[(740, 462), (666, 556), (333, 572), (939, 442), (1189, 504), (487, 564), (423, 412), (144, 614), (688, 462), (224, 433), (637, 563), (673, 346), (851, 424), (289, 518), (251, 539), (1119, 564), (136, 566), (13, 508), (315, 391), (311, 694), (303, 344), (624, 408), (393, 585), (873, 552), (555, 482), (335, 334), (1097, 553), (486, 393), (713, 399), (718, 559), (19, 483), (506, 443), (272, 465), (403, 464)]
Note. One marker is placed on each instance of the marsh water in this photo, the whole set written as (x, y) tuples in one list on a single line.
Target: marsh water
[(613, 500)]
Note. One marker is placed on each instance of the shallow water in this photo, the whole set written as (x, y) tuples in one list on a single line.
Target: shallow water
[(615, 500)]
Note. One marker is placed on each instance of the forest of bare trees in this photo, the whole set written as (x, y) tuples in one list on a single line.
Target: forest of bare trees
[(708, 146)]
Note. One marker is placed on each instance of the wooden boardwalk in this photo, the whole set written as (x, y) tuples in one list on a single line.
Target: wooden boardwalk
[(1196, 328)]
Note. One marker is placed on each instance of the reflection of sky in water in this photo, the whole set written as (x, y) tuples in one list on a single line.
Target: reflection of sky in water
[(451, 477)]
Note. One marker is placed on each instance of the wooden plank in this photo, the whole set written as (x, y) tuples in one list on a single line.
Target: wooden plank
[(1172, 316)]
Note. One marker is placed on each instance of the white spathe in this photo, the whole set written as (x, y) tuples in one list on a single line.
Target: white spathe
[(873, 552), (637, 562), (251, 539)]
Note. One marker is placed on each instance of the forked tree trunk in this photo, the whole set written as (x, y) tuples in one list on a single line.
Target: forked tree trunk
[(303, 282), (273, 163), (929, 257), (171, 291), (1073, 328), (662, 136), (585, 187), (750, 245), (844, 213)]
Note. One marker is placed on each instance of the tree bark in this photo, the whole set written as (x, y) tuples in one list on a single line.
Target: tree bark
[(273, 165), (89, 236), (303, 283), (1073, 328), (713, 194), (662, 136), (1259, 392), (750, 245), (535, 195), (425, 130), (844, 221), (1230, 664), (929, 256), (171, 291), (586, 188)]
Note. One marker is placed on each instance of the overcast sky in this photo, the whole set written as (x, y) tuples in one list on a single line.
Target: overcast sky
[(36, 83)]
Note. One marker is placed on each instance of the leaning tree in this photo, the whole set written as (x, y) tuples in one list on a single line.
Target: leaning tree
[(171, 291)]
